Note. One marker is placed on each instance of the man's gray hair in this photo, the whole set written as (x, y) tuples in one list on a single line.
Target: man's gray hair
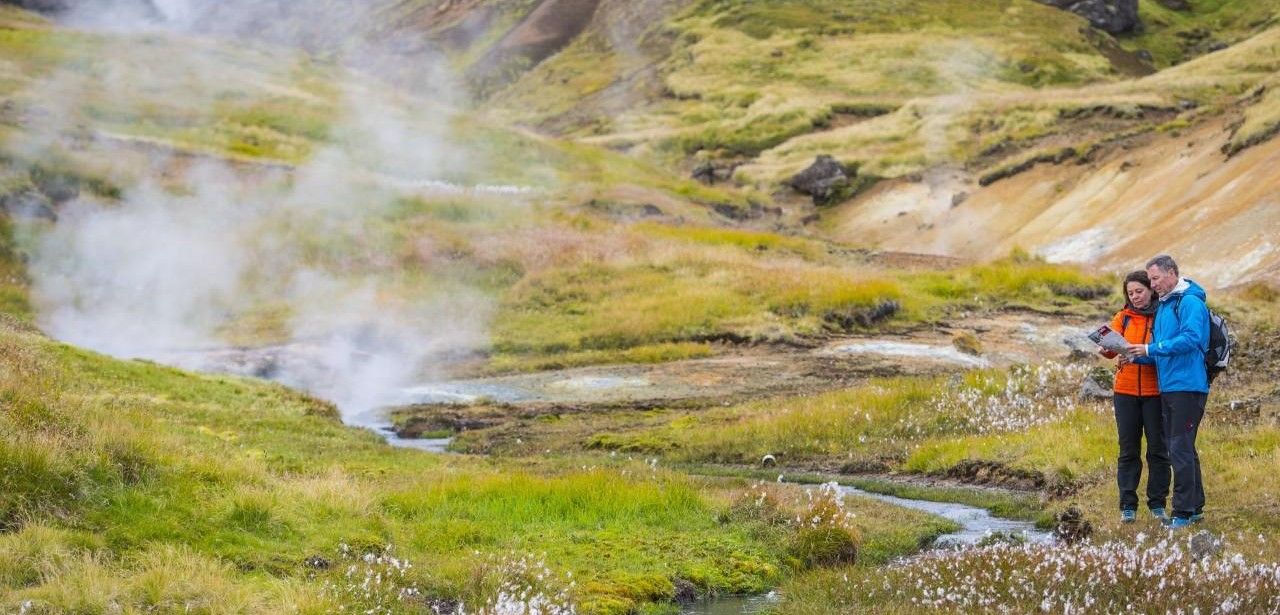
[(1165, 263)]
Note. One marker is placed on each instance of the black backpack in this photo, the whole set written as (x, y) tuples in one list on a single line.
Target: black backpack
[(1220, 342)]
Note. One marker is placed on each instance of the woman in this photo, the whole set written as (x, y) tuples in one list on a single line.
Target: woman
[(1137, 405)]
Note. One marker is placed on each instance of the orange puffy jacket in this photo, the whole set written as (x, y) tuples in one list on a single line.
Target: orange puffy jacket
[(1134, 379)]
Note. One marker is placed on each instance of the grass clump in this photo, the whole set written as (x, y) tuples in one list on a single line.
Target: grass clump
[(1261, 121), (14, 300)]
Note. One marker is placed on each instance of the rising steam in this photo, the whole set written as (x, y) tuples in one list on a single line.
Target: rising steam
[(188, 253)]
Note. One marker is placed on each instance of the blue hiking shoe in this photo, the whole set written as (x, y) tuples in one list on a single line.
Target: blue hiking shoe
[(1196, 517), (1159, 514), (1177, 523), (1128, 516)]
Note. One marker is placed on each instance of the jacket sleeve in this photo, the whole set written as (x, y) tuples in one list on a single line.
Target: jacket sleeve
[(1193, 331), (1143, 360)]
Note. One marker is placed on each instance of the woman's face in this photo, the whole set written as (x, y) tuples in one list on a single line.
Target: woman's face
[(1139, 295)]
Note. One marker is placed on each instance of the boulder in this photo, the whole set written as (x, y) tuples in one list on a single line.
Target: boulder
[(1204, 545), (28, 204), (1175, 5), (1071, 527), (1111, 16), (59, 187), (41, 6), (823, 180), (1091, 390)]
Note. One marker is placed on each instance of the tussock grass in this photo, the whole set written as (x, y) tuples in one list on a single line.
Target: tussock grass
[(1165, 30), (1261, 120), (13, 278), (722, 291)]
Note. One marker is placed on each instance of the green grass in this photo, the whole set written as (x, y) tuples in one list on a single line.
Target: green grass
[(110, 462), (13, 277), (143, 486), (745, 287), (1227, 21)]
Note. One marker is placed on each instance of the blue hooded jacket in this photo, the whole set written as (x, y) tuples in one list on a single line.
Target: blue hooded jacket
[(1180, 339)]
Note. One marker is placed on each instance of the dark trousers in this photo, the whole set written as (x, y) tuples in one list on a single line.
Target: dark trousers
[(1136, 417), (1182, 415)]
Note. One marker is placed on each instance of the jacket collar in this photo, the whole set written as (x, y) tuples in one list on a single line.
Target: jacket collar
[(1178, 289)]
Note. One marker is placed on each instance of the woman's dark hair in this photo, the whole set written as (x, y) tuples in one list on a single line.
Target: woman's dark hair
[(1140, 277)]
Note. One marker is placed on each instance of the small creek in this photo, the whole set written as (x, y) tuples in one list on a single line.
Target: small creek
[(975, 525)]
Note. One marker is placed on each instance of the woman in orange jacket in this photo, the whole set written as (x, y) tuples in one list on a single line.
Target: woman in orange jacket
[(1137, 405)]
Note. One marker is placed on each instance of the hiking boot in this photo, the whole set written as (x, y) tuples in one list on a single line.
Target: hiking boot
[(1196, 517), (1178, 523), (1128, 516), (1159, 514)]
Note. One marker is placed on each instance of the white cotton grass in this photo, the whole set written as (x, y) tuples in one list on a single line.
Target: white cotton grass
[(1029, 396), (1114, 577), (375, 582)]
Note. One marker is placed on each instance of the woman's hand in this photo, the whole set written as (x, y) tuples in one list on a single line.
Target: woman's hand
[(1122, 361)]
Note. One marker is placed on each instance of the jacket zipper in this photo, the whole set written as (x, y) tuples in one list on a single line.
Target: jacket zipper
[(1140, 374)]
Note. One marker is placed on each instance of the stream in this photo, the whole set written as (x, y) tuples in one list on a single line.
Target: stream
[(975, 525)]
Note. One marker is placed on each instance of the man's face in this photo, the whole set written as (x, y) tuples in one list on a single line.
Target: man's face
[(1161, 281)]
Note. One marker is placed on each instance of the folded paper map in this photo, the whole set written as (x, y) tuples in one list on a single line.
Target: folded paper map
[(1110, 340)]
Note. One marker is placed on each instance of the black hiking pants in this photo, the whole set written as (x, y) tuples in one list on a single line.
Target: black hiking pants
[(1183, 412), (1137, 417)]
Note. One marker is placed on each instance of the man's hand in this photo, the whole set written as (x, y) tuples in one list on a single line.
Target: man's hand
[(1136, 350), (1122, 360)]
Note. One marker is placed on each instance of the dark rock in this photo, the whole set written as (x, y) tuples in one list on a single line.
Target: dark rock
[(1146, 56), (710, 172), (1071, 527), (28, 204), (1217, 46), (443, 606), (958, 198), (1091, 389), (1187, 105), (1111, 16), (738, 212), (40, 6), (686, 592), (59, 187), (768, 461), (704, 173), (850, 319), (1204, 545), (625, 211), (824, 180), (1175, 5), (317, 562)]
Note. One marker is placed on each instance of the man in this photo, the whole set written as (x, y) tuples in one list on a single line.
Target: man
[(1179, 341)]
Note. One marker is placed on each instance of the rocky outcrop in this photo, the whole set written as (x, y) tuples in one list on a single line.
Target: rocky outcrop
[(42, 6), (824, 180), (28, 204), (1112, 16)]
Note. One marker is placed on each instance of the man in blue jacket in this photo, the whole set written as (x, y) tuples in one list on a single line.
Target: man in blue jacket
[(1179, 341)]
